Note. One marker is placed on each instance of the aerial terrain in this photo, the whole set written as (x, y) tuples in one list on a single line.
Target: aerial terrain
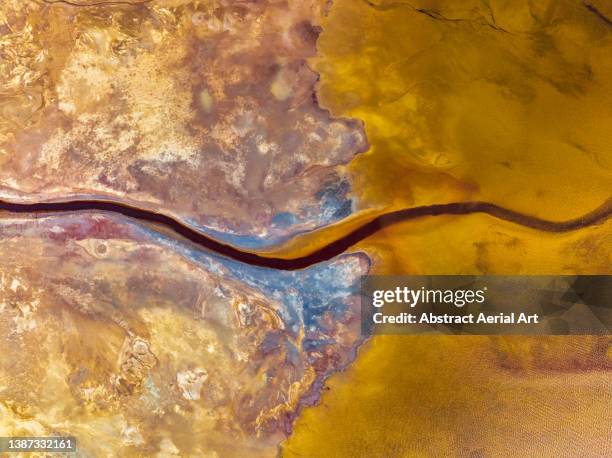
[(191, 191)]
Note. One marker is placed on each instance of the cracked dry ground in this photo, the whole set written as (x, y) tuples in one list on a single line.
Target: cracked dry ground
[(248, 120)]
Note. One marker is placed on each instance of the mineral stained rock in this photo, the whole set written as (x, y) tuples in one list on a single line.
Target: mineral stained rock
[(141, 346), (134, 342), (205, 110)]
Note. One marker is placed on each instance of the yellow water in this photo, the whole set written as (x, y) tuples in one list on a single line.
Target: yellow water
[(504, 101)]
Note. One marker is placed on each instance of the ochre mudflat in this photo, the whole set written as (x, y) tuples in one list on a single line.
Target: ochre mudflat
[(507, 102)]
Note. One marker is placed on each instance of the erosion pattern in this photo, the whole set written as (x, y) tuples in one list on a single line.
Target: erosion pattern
[(136, 342), (205, 110)]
